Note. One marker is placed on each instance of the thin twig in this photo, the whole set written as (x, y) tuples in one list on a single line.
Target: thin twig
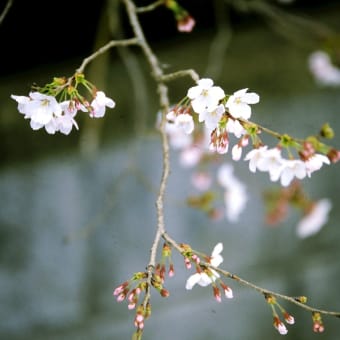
[(286, 24), (175, 75), (150, 7), (105, 48), (244, 282), (157, 74), (5, 11)]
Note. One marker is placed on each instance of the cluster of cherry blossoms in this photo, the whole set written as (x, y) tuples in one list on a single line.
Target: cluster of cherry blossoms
[(201, 126), (223, 115), (271, 161), (44, 110)]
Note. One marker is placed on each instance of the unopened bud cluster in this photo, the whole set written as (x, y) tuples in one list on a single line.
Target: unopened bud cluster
[(165, 260), (318, 326), (278, 324), (131, 291)]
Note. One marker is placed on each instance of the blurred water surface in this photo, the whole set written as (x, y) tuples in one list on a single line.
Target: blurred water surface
[(76, 221)]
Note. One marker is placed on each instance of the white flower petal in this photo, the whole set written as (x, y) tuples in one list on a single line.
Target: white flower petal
[(251, 98), (315, 220), (192, 280), (217, 249)]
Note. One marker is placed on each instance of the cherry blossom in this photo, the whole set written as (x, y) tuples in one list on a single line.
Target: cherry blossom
[(211, 118), (235, 195), (185, 122), (323, 70), (254, 156), (177, 137), (271, 161), (190, 156), (292, 168), (99, 104), (235, 201), (45, 111), (40, 108), (238, 103), (202, 278), (315, 219), (65, 121), (205, 96), (315, 163), (285, 170), (22, 101), (234, 127), (238, 148)]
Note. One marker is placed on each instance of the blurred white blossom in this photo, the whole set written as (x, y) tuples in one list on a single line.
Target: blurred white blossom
[(315, 219), (235, 195), (323, 70)]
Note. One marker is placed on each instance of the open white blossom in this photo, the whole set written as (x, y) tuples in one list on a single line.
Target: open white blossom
[(211, 118), (45, 111), (40, 108), (254, 156), (292, 168), (234, 126), (315, 163), (267, 160), (238, 103), (312, 223), (66, 121), (205, 96), (279, 168), (202, 278), (99, 104)]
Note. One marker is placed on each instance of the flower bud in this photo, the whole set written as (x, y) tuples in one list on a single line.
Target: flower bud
[(164, 292), (302, 299), (326, 131)]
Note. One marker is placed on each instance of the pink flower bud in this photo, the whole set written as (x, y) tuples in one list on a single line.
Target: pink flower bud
[(187, 263)]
